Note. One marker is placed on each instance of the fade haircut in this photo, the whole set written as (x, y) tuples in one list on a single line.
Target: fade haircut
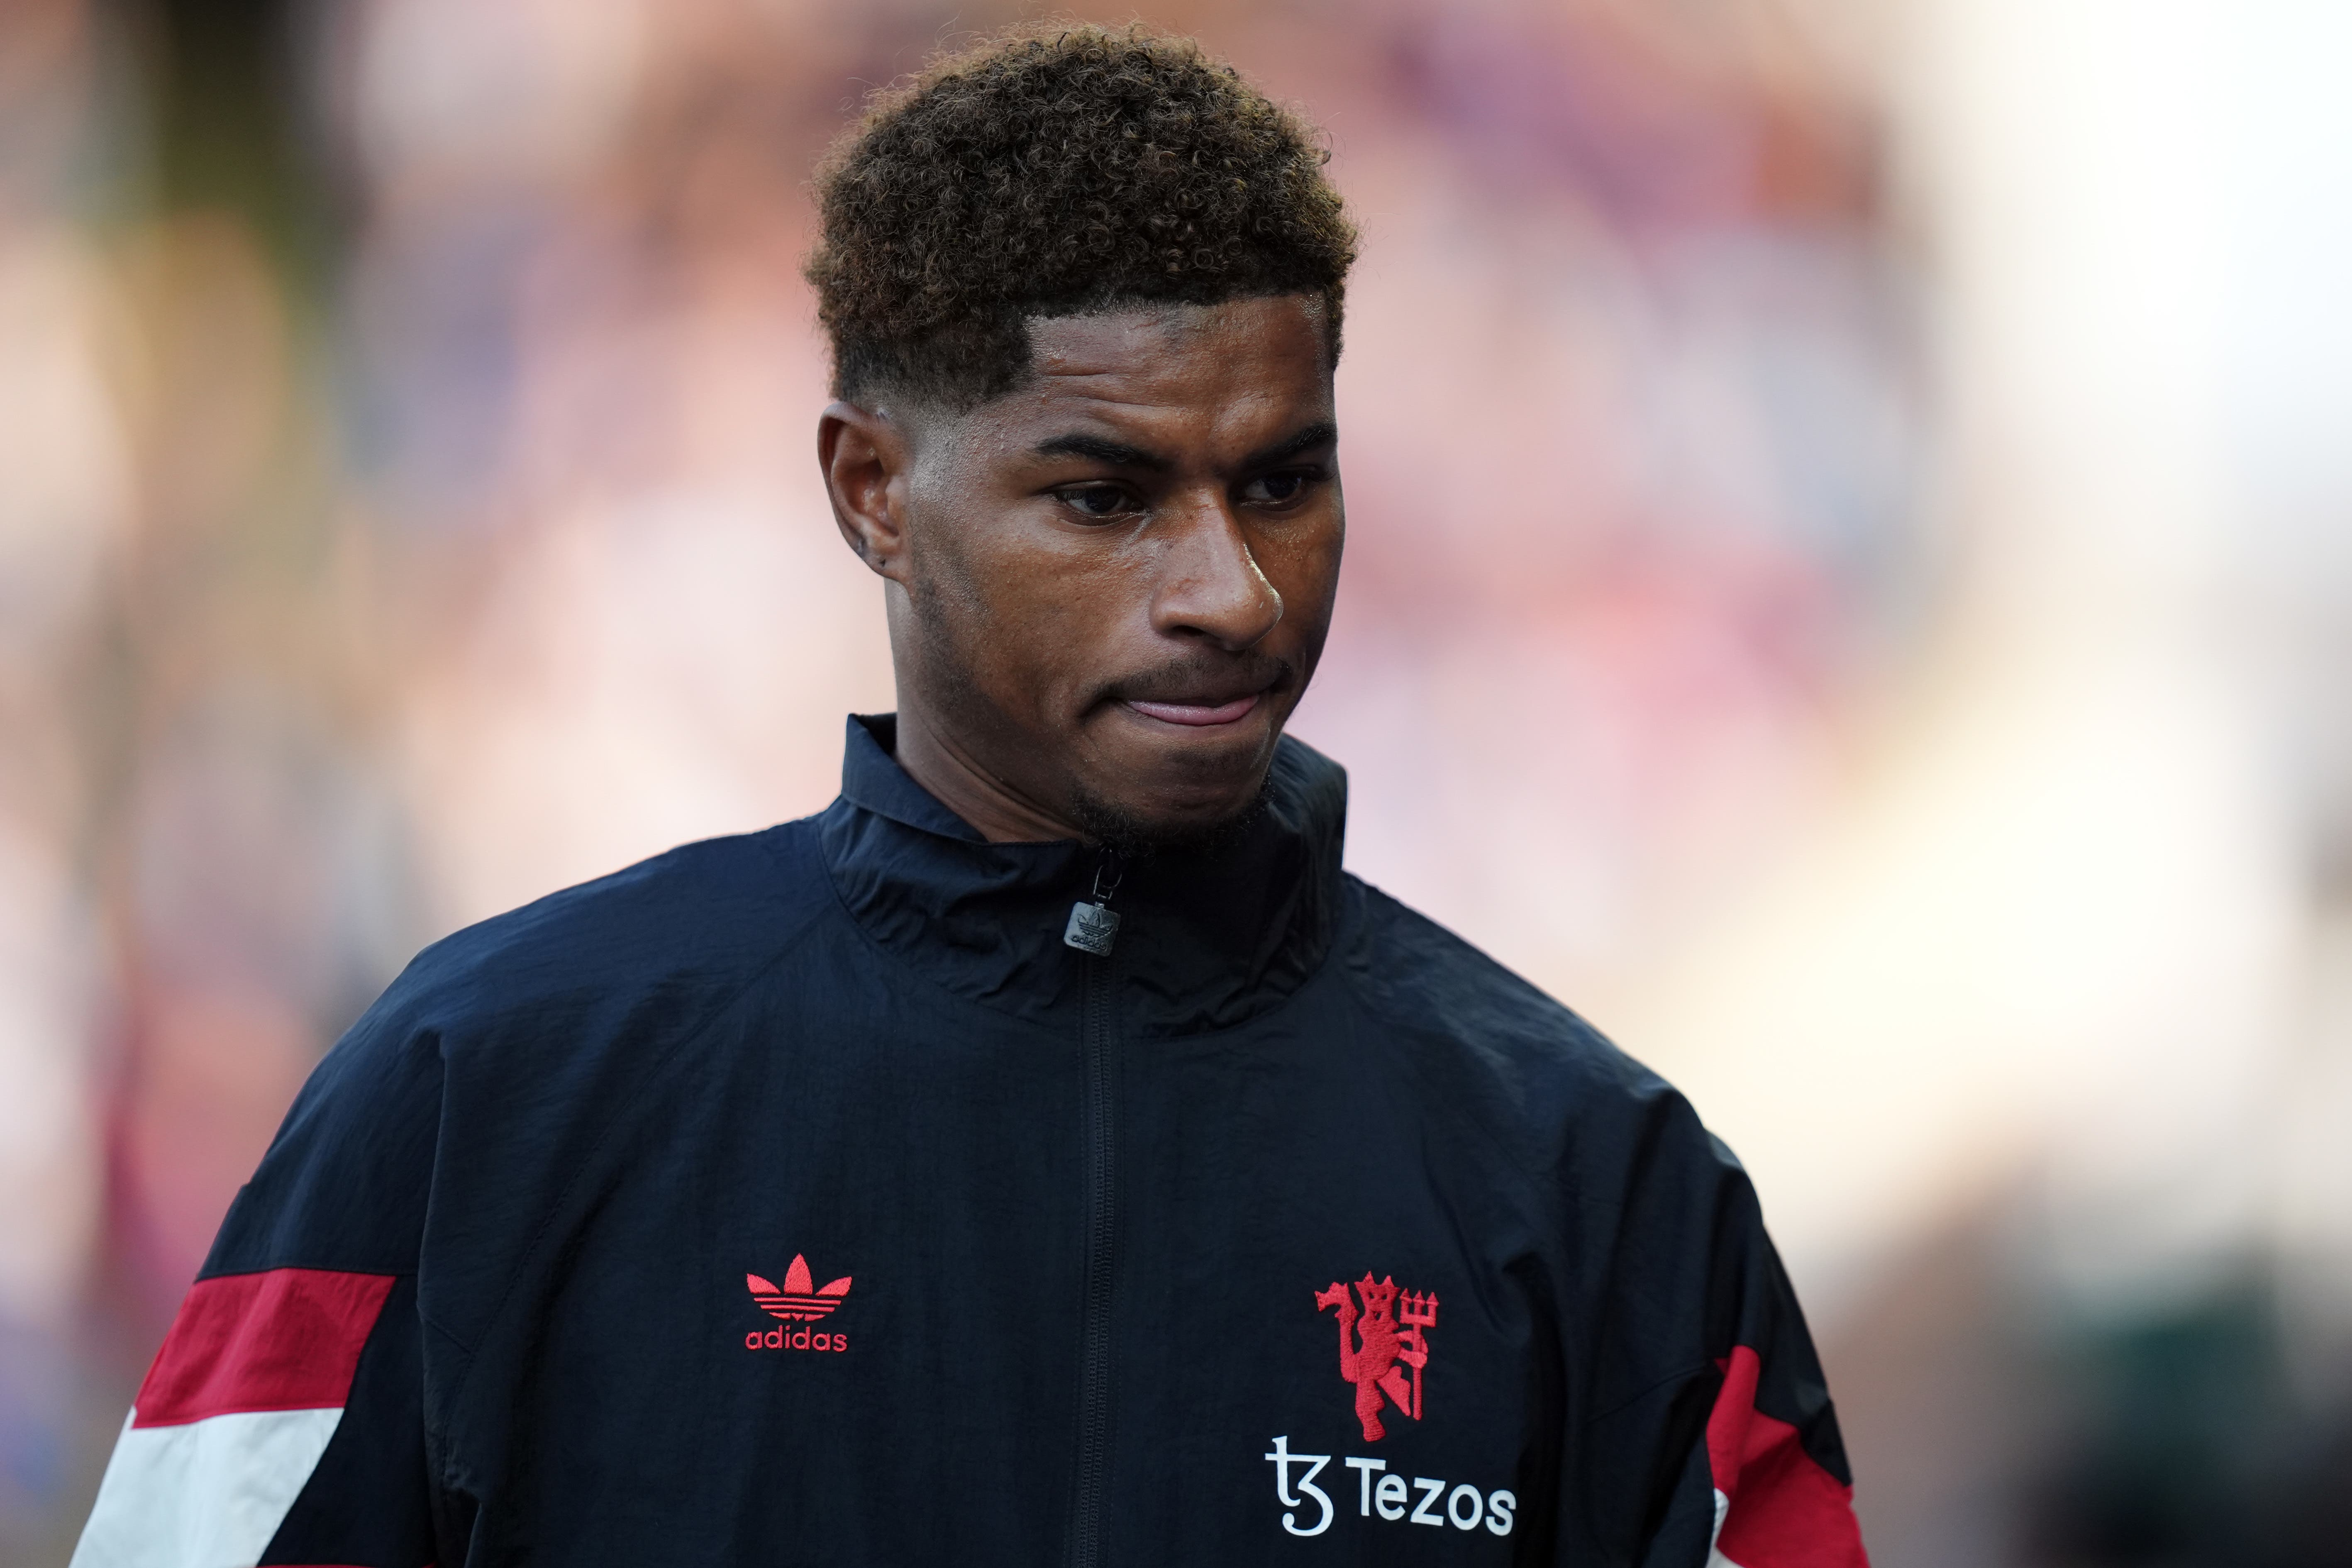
[(1058, 171)]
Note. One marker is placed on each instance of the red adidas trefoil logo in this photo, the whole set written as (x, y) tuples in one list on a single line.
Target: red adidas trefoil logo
[(796, 1303), (801, 1300), (1371, 1345)]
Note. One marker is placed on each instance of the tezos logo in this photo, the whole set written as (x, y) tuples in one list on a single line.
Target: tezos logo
[(799, 1301), (1294, 1488)]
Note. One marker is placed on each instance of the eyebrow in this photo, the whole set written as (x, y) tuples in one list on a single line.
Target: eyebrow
[(1101, 449), (1320, 434), (1120, 455)]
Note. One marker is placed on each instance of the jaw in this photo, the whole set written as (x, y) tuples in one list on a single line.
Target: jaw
[(1108, 774), (1157, 780)]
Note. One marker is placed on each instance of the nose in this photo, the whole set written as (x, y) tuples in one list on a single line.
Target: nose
[(1209, 583)]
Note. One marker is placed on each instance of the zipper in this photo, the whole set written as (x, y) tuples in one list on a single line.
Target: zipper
[(1095, 1324)]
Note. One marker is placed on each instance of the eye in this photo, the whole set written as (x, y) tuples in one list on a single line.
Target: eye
[(1284, 487), (1097, 503)]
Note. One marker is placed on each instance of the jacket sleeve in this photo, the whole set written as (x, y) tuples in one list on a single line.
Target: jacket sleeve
[(1783, 1496), (283, 1421), (1720, 1448)]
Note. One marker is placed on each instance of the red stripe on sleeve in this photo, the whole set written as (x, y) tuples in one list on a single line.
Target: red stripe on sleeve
[(1786, 1511), (286, 1339)]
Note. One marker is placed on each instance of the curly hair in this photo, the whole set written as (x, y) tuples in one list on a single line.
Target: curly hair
[(1057, 172)]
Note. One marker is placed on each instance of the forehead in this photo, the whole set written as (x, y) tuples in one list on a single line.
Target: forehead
[(1191, 372)]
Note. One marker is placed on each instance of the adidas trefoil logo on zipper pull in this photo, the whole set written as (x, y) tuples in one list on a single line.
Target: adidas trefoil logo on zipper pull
[(1093, 926)]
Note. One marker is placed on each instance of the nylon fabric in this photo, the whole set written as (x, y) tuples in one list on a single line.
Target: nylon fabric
[(1097, 1279)]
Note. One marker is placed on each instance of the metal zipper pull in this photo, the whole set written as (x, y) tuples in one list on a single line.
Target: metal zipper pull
[(1093, 926)]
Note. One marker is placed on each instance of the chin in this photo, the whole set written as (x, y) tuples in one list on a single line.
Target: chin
[(1196, 818), (1148, 784)]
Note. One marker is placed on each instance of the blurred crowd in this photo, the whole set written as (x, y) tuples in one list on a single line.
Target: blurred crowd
[(1848, 586)]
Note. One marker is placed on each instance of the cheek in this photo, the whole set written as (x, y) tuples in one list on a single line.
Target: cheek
[(1303, 565), (1012, 616)]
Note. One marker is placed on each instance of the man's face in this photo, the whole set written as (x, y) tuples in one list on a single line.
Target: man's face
[(1116, 580)]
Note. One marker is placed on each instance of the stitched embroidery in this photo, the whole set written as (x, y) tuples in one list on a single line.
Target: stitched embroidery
[(1371, 1345), (800, 1300)]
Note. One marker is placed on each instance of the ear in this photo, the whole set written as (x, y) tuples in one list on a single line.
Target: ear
[(865, 456)]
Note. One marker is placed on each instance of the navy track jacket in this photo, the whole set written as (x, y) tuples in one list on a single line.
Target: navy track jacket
[(803, 1198)]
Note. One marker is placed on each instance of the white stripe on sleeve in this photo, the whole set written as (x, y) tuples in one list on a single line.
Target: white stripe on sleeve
[(205, 1494)]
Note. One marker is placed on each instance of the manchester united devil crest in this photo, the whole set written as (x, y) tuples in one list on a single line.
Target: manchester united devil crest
[(1375, 1352)]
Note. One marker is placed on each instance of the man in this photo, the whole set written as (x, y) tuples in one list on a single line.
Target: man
[(982, 1169)]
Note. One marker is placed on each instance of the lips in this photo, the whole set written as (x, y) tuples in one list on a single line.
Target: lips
[(1200, 693), (1197, 715)]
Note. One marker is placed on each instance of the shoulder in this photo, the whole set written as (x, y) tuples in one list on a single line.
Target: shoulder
[(689, 922), (518, 1032), (1548, 1083), (577, 998), (1422, 979)]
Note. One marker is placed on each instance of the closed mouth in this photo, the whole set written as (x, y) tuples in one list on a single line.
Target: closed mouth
[(1199, 715)]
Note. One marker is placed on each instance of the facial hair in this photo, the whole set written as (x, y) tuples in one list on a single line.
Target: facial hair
[(1134, 840)]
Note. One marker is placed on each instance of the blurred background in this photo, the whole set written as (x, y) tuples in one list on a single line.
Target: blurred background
[(1850, 586)]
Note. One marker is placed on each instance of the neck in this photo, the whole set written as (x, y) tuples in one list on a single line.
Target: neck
[(957, 780)]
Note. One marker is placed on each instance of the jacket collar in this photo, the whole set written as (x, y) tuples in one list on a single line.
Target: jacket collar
[(1204, 941)]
